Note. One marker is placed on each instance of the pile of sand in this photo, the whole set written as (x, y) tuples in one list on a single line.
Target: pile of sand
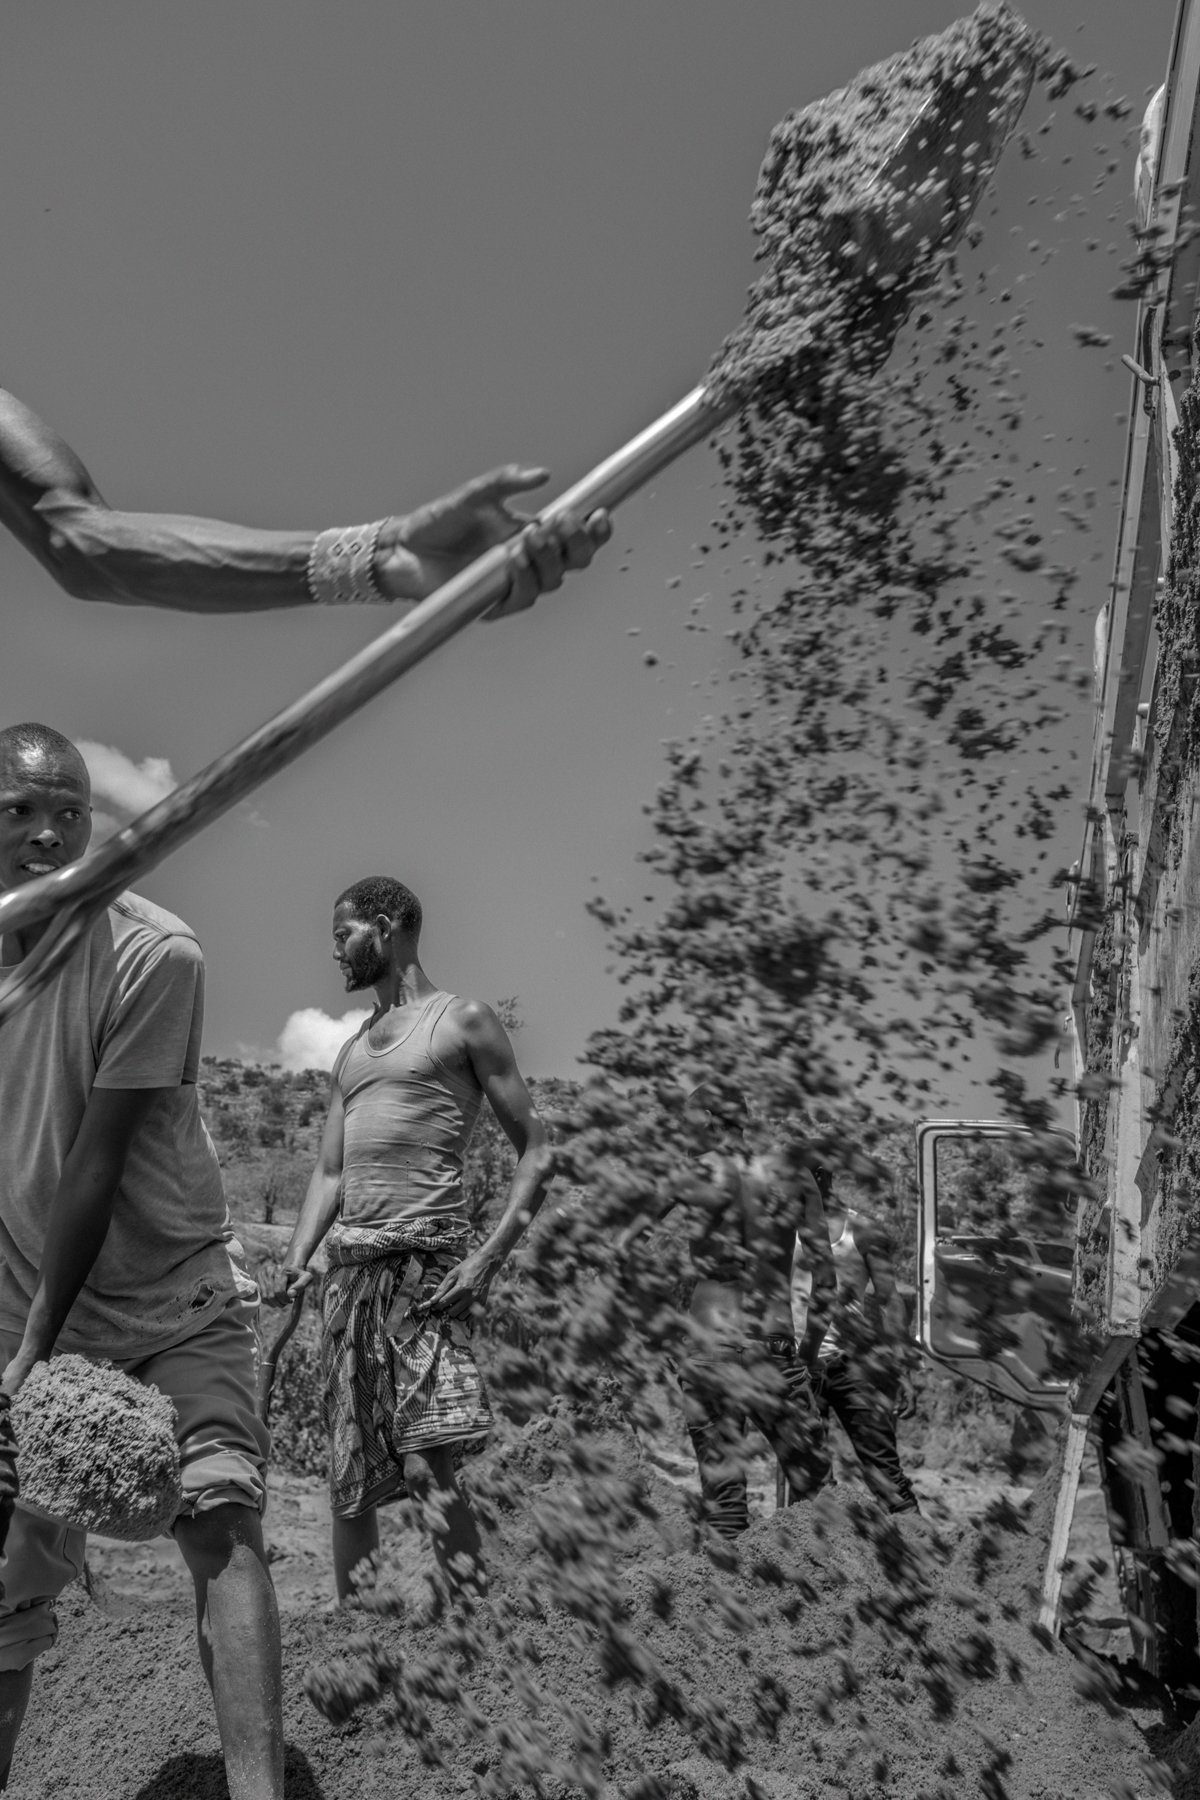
[(96, 1448), (836, 1651), (621, 1654)]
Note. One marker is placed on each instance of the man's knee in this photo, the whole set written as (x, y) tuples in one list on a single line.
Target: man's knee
[(209, 1540)]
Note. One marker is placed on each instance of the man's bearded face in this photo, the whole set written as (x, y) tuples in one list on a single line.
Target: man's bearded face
[(357, 950), (364, 965)]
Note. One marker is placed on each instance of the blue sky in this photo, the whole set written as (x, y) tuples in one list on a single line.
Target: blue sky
[(303, 264)]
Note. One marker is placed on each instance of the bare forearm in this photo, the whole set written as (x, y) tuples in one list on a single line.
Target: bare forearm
[(49, 501), (78, 1225), (529, 1187), (160, 559), (317, 1214), (200, 565)]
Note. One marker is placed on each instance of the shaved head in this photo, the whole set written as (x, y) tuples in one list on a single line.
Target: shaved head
[(45, 805), (33, 746)]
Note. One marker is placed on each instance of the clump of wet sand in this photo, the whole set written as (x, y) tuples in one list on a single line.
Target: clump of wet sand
[(97, 1448)]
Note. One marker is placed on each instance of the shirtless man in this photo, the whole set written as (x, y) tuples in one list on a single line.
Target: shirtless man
[(862, 1377), (743, 1363), (402, 1389), (94, 552)]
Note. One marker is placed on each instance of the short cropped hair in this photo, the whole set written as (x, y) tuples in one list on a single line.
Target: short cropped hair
[(35, 739), (376, 894)]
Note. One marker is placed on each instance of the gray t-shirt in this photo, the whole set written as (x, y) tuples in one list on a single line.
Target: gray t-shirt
[(125, 1012)]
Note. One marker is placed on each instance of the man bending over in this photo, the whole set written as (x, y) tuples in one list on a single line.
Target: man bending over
[(114, 1243), (402, 1390)]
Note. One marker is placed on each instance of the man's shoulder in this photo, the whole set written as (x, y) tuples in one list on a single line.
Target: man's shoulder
[(461, 1006), (136, 921), (135, 936), (467, 1019)]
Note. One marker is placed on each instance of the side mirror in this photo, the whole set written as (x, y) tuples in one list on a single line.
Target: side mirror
[(995, 1263)]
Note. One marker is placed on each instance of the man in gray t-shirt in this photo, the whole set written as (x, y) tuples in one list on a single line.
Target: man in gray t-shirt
[(114, 1243)]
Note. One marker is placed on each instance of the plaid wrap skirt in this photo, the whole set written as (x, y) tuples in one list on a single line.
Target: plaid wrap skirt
[(395, 1378)]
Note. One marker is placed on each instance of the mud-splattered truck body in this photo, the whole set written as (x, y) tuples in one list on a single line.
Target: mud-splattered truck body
[(1135, 1005), (1125, 1275), (1135, 921)]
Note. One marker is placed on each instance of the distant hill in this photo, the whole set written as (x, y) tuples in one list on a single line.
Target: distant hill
[(266, 1125)]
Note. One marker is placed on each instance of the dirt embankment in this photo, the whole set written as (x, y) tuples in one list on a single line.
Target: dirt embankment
[(621, 1654)]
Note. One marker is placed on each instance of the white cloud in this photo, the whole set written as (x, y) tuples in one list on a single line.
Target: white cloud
[(129, 786), (311, 1039)]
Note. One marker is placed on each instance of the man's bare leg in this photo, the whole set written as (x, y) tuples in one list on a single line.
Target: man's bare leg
[(237, 1625), (15, 1685), (449, 1521), (354, 1541)]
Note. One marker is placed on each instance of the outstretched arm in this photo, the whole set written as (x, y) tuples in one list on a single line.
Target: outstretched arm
[(495, 1066), (49, 501), (80, 1215)]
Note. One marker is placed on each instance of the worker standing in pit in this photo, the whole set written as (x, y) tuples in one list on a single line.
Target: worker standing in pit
[(741, 1363), (862, 1378)]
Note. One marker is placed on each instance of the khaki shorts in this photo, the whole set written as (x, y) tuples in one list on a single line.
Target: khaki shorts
[(211, 1380)]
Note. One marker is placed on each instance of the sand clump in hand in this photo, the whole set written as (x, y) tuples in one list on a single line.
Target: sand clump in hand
[(97, 1448)]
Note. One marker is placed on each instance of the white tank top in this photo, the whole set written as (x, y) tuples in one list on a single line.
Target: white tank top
[(854, 1320), (408, 1122)]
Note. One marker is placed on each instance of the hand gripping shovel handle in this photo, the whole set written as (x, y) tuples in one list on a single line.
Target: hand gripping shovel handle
[(270, 1360), (73, 897)]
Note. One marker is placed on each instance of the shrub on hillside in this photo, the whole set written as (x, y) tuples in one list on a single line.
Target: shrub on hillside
[(297, 1416), (298, 1439)]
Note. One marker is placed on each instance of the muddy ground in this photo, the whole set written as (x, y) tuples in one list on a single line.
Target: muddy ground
[(828, 1660)]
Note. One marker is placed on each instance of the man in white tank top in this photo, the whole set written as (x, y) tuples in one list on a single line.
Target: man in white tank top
[(862, 1377), (402, 1389)]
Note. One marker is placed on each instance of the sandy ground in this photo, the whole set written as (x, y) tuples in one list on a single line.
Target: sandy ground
[(120, 1709), (127, 1576)]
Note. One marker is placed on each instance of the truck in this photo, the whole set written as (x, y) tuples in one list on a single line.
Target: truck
[(1126, 1274)]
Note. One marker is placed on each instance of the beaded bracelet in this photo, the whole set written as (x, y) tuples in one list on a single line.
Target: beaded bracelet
[(341, 566)]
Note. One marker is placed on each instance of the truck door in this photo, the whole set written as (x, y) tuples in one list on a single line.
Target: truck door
[(994, 1292)]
